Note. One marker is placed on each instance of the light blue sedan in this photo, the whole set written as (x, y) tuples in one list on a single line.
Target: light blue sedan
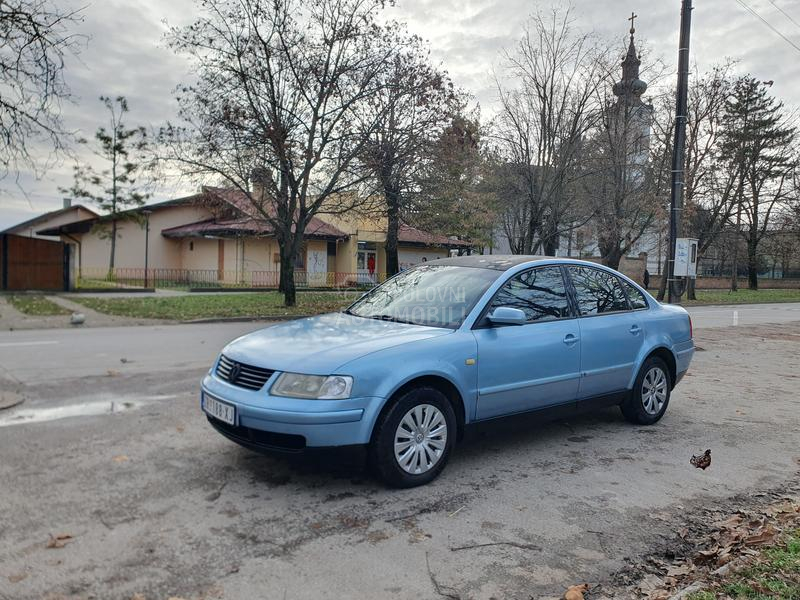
[(444, 346)]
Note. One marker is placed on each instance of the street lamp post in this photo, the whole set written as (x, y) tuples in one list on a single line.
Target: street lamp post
[(146, 214)]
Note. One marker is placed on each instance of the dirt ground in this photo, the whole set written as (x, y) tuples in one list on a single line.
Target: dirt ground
[(158, 504)]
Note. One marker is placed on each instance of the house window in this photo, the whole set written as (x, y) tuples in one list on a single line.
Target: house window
[(300, 259), (331, 248), (191, 246)]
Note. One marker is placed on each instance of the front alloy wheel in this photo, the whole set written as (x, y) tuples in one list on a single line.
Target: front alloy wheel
[(413, 439)]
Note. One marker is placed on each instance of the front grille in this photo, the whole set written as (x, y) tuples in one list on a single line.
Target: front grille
[(242, 375)]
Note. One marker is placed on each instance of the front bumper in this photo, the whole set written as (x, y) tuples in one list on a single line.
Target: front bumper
[(293, 423)]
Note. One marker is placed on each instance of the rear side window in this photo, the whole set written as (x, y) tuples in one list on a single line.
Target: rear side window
[(597, 291), (540, 294), (635, 297)]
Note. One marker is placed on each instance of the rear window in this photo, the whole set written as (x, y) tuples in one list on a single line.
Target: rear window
[(597, 291), (635, 297)]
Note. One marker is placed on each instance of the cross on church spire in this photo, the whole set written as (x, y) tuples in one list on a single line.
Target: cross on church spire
[(632, 18)]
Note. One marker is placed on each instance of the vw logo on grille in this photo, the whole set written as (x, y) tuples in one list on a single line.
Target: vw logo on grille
[(233, 374)]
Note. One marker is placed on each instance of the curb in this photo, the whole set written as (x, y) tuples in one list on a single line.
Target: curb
[(244, 319)]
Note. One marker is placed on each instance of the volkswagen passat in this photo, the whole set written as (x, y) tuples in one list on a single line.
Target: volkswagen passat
[(443, 346)]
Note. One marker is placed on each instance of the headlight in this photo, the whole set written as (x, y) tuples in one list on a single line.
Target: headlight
[(318, 387)]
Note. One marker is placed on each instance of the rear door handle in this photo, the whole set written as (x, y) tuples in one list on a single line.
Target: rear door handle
[(635, 329), (570, 339)]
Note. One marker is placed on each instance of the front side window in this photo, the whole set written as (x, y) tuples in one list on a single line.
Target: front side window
[(635, 297), (540, 294), (597, 291), (439, 296)]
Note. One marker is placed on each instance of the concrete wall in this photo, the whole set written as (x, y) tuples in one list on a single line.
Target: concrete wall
[(724, 283), (631, 266), (413, 256)]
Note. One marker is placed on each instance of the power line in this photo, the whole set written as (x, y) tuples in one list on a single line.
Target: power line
[(785, 14), (768, 24)]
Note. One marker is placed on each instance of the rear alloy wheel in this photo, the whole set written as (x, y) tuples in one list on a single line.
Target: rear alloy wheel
[(649, 398), (413, 440)]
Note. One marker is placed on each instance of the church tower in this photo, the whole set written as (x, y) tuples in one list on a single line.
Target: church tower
[(630, 117)]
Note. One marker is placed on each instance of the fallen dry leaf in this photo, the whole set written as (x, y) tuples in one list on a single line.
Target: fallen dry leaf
[(138, 596), (679, 570), (764, 536), (120, 458), (59, 541), (706, 555), (180, 428), (650, 584), (576, 592), (17, 577)]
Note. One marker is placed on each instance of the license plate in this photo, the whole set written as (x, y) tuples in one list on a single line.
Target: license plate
[(219, 410)]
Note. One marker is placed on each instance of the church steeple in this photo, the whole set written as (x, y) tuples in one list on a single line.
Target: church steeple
[(630, 87)]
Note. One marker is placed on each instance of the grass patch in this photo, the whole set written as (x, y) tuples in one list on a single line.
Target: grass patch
[(36, 305), (774, 575), (212, 306), (743, 297), (702, 596)]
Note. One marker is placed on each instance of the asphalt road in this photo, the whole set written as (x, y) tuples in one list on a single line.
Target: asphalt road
[(53, 354), (158, 504)]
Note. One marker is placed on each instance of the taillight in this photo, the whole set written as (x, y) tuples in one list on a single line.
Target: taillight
[(691, 330)]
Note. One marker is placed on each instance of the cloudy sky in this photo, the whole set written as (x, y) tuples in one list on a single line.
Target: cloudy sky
[(126, 55)]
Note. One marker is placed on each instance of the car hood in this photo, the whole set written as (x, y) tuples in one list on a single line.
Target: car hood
[(320, 345)]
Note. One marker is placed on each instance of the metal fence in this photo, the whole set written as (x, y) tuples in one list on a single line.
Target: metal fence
[(124, 278)]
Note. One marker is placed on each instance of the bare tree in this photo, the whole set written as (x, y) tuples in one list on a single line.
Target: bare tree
[(281, 88), (541, 126), (412, 106), (710, 185), (35, 38), (124, 181)]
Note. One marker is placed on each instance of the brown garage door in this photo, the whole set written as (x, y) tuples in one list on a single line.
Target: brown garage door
[(33, 264)]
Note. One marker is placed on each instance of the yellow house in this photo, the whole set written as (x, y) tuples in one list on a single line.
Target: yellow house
[(215, 238)]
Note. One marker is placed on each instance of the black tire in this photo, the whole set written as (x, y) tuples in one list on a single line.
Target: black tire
[(381, 453), (634, 407)]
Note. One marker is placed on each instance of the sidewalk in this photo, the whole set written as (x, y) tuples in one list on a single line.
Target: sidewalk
[(12, 319)]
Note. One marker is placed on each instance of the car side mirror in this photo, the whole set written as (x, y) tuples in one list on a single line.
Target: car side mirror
[(505, 315)]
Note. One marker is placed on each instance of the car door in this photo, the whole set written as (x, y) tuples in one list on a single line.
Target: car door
[(611, 333), (530, 366)]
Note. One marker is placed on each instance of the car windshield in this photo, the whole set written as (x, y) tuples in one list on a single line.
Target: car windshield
[(434, 295)]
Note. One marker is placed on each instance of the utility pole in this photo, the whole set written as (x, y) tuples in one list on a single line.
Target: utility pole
[(678, 148)]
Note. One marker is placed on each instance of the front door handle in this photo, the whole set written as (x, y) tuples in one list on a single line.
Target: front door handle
[(635, 329), (570, 339)]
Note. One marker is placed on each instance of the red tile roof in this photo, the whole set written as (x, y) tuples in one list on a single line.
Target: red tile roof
[(212, 227), (412, 235)]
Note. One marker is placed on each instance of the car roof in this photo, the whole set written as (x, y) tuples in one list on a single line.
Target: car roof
[(498, 262)]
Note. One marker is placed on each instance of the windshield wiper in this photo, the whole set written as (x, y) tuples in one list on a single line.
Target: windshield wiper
[(392, 319)]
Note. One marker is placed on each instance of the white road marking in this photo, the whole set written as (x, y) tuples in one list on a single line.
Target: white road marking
[(735, 318), (42, 343)]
